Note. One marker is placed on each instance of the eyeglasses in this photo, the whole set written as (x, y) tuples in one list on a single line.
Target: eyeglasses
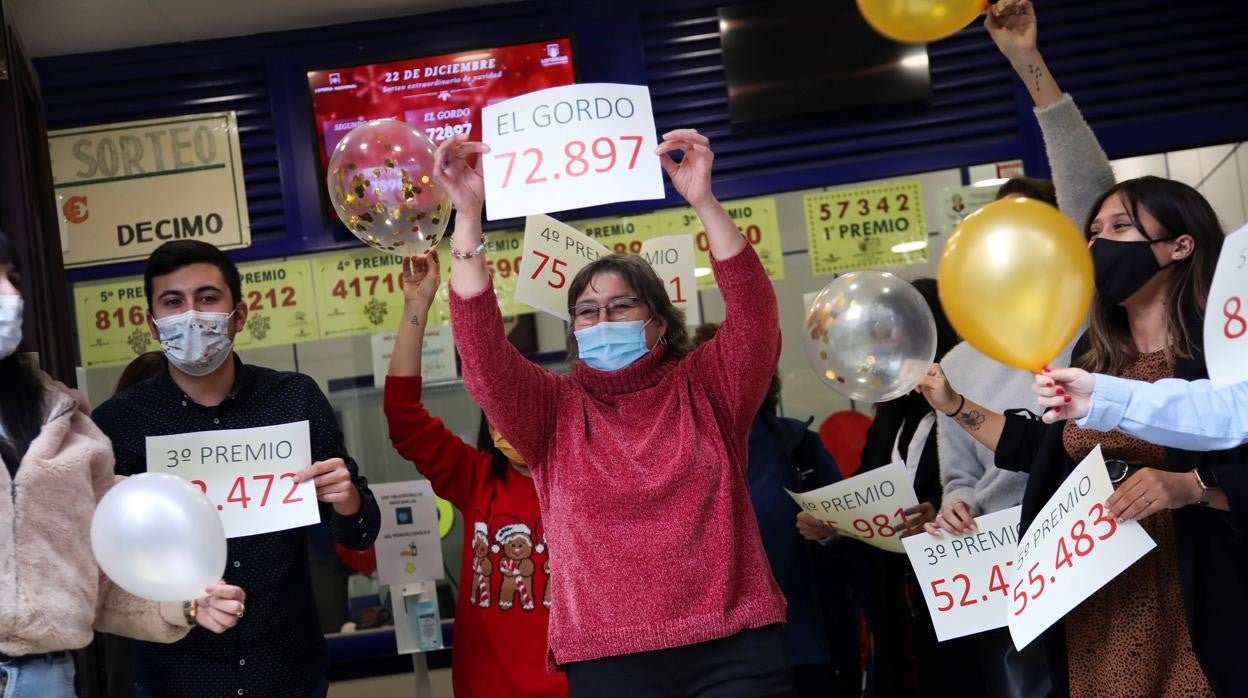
[(618, 308), (1118, 470)]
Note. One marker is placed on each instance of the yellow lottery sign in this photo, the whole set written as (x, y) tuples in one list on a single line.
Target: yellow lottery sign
[(359, 292), (112, 321), (755, 218), (620, 234), (866, 227), (281, 305), (502, 256)]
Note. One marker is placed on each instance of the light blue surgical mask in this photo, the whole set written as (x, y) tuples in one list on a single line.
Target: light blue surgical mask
[(610, 346), (10, 324)]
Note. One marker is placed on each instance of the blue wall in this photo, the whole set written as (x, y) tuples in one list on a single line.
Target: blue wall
[(1150, 75)]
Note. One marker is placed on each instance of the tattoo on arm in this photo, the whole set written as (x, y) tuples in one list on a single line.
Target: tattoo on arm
[(416, 320), (972, 420), (1035, 73)]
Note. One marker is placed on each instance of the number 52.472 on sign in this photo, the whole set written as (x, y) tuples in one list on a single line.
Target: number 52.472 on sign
[(248, 474)]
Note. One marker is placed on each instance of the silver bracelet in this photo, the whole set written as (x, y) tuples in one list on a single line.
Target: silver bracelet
[(468, 255)]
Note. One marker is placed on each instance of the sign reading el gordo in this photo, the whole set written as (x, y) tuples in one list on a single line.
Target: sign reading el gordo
[(123, 189)]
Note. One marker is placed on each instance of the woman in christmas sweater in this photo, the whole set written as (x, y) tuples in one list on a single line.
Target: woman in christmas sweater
[(500, 620), (639, 454)]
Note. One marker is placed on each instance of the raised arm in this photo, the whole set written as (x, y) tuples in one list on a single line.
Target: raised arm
[(1080, 169), (420, 279), (518, 397), (981, 423), (742, 356)]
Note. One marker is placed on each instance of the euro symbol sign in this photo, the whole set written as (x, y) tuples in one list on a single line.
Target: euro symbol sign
[(75, 209)]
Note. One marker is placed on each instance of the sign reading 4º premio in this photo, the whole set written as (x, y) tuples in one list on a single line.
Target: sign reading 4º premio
[(124, 189)]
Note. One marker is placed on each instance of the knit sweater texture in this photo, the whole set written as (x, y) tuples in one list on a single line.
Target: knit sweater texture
[(641, 475)]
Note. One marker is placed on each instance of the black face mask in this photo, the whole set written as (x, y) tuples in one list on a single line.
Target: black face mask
[(1122, 268)]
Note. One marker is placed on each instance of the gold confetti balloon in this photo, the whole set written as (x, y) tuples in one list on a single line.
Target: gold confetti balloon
[(870, 335), (380, 183)]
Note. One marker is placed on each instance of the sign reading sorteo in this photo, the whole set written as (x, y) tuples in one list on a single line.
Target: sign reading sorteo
[(124, 189)]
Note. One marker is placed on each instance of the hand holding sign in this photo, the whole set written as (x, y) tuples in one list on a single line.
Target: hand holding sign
[(691, 177), (963, 577), (333, 484), (870, 507), (1073, 548)]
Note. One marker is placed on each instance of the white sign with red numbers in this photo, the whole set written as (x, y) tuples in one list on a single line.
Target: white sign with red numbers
[(1226, 315), (1072, 549), (963, 576), (249, 474), (553, 253), (869, 507), (672, 258), (569, 147)]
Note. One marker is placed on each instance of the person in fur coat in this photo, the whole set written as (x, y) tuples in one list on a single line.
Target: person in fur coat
[(57, 466)]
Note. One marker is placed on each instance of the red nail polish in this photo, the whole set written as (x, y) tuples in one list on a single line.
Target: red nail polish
[(1067, 398), (1061, 391), (1046, 369), (1049, 384)]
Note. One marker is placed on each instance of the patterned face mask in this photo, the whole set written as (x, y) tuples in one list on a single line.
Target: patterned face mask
[(197, 343)]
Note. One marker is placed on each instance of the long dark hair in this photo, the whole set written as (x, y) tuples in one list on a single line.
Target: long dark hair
[(640, 276), (21, 400), (500, 467), (946, 337), (1180, 210)]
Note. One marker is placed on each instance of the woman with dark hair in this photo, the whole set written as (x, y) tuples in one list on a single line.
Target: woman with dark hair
[(504, 593), (639, 454), (1160, 627), (57, 466)]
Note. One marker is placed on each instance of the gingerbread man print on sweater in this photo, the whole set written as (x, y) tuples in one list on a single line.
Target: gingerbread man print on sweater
[(516, 566), (481, 566)]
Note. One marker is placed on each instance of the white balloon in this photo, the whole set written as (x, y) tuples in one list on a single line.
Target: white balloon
[(870, 336), (158, 537)]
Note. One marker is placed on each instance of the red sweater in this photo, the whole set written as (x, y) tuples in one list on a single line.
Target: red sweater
[(641, 474), (504, 581)]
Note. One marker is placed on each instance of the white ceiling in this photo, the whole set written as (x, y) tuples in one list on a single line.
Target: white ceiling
[(59, 27)]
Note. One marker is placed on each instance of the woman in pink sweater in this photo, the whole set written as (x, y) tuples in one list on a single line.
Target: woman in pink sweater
[(57, 464), (639, 455)]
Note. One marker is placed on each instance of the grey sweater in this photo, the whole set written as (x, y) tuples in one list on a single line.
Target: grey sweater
[(1081, 173)]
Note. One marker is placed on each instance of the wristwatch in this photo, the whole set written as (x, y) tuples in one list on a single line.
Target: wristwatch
[(189, 610), (1208, 481)]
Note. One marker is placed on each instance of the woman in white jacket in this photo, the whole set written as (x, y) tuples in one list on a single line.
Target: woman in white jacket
[(57, 465)]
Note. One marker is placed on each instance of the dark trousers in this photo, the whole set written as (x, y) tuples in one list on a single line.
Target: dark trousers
[(749, 664)]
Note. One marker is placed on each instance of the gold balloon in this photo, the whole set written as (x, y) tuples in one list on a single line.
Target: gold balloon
[(1016, 281), (920, 21)]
